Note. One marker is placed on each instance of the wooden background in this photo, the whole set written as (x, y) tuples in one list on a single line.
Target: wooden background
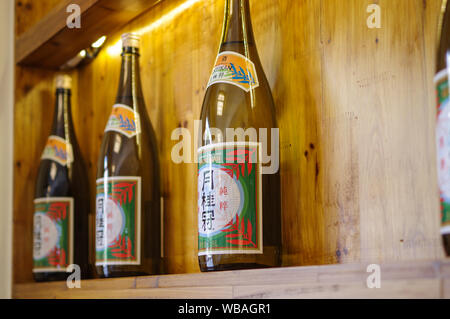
[(355, 105)]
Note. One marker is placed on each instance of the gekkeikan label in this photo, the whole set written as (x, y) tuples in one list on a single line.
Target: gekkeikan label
[(234, 68), (58, 149), (124, 120), (118, 221), (229, 199), (53, 234), (443, 147)]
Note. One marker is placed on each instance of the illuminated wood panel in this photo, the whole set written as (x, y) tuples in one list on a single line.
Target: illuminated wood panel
[(50, 43)]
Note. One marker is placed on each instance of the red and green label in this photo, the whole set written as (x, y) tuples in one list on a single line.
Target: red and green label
[(443, 147), (118, 214), (229, 199), (52, 234)]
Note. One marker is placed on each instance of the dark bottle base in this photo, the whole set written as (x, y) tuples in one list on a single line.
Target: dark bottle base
[(125, 271), (229, 267), (86, 273), (446, 241), (270, 259), (117, 274), (50, 276)]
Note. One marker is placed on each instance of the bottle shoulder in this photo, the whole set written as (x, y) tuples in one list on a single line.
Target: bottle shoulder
[(238, 86), (53, 180), (121, 155), (227, 105)]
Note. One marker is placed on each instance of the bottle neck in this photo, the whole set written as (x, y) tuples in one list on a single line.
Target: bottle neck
[(130, 80), (237, 28), (62, 118)]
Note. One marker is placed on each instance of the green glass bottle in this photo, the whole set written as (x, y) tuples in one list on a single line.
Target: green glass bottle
[(61, 215), (239, 214), (128, 231)]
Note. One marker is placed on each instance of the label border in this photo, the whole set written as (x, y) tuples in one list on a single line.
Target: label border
[(138, 179), (136, 119), (440, 75), (259, 212), (69, 151), (230, 81), (71, 230)]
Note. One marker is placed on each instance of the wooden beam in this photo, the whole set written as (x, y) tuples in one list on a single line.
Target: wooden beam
[(50, 43)]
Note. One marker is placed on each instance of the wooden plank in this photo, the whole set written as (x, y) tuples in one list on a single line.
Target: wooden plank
[(6, 144), (384, 195), (50, 43), (160, 293), (97, 284), (404, 289), (299, 275), (277, 29), (235, 278), (421, 279)]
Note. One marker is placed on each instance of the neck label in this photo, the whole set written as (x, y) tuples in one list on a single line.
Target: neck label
[(123, 119), (58, 149), (234, 68)]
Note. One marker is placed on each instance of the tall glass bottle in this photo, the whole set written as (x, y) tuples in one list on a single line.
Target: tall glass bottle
[(128, 194), (443, 124), (239, 214), (61, 214)]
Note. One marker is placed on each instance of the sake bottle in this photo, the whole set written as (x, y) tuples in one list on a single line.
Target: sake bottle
[(127, 193), (239, 214), (61, 204), (443, 125)]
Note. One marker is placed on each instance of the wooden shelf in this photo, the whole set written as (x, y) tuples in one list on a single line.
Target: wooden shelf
[(50, 43), (417, 279), (353, 185)]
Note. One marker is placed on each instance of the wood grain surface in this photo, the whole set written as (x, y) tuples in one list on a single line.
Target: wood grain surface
[(50, 42), (407, 280)]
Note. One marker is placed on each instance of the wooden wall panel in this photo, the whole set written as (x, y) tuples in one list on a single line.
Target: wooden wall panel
[(29, 12), (381, 96), (355, 107)]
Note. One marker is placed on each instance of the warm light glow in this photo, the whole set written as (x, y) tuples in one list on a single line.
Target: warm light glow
[(167, 17), (220, 104), (82, 53), (99, 42), (116, 48)]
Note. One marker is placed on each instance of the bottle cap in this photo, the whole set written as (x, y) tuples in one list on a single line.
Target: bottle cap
[(130, 40), (63, 81)]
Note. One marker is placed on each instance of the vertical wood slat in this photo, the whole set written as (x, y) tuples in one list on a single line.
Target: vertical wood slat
[(355, 107)]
